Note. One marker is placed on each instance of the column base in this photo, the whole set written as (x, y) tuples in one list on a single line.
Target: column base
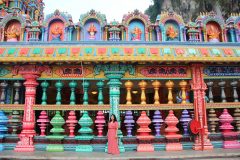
[(174, 147), (24, 148), (204, 147), (231, 145), (26, 142), (145, 148)]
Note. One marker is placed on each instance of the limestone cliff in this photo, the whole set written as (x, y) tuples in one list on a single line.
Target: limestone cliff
[(190, 9)]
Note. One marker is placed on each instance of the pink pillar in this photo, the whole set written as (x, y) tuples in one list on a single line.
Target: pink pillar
[(144, 134), (71, 123), (30, 73), (230, 137), (171, 133)]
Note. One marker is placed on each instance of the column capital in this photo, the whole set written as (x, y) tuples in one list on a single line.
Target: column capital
[(114, 71)]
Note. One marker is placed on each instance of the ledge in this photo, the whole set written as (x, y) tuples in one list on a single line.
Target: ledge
[(122, 107)]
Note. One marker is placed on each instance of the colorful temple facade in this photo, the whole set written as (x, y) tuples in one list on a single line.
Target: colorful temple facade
[(60, 80)]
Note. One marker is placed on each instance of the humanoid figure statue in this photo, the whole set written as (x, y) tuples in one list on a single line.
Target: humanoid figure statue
[(136, 34), (12, 34), (171, 34), (213, 34), (56, 33), (92, 30)]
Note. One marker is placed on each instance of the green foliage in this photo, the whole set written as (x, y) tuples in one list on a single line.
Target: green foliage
[(154, 10)]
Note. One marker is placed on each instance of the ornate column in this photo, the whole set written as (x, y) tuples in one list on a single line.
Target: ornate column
[(169, 84), (156, 85), (142, 84), (44, 86), (30, 73), (198, 86), (72, 86), (3, 93), (128, 86), (183, 86), (100, 85), (114, 73), (85, 85)]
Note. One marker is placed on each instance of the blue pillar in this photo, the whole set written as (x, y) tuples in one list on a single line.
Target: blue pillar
[(232, 35)]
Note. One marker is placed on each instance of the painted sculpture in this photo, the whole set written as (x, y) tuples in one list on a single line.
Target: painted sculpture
[(12, 34), (56, 32), (172, 34), (92, 30), (213, 33), (136, 34)]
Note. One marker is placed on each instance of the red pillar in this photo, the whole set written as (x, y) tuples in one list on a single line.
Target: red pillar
[(30, 73), (198, 86)]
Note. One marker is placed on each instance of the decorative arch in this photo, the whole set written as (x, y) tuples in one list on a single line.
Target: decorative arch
[(127, 18), (13, 16), (171, 26), (166, 16), (204, 20), (57, 15), (92, 14)]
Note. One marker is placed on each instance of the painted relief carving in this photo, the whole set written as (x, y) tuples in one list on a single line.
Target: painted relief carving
[(213, 33), (136, 34), (164, 71), (13, 33), (73, 71), (171, 33), (56, 32), (92, 30)]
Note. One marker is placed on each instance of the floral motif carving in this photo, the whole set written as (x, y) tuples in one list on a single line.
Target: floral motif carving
[(164, 71)]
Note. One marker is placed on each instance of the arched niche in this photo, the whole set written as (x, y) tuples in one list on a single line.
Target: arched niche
[(56, 30), (136, 30), (213, 32), (172, 30), (12, 31), (92, 30)]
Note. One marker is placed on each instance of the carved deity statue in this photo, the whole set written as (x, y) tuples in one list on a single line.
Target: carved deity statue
[(92, 30), (136, 34), (171, 33), (12, 34), (213, 34), (56, 33)]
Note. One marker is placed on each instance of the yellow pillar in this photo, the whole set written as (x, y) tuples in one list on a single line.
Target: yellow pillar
[(169, 84), (128, 86), (143, 85), (156, 84), (183, 85), (78, 33)]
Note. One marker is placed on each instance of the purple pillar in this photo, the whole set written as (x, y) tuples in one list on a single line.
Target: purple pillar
[(157, 122), (129, 123), (185, 120)]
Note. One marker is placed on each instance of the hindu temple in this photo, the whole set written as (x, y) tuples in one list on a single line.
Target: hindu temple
[(173, 85)]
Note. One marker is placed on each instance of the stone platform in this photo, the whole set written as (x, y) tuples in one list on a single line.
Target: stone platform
[(217, 154)]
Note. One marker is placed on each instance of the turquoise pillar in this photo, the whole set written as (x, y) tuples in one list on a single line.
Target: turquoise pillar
[(73, 86), (100, 85), (114, 73), (44, 86), (232, 35), (85, 85), (59, 86)]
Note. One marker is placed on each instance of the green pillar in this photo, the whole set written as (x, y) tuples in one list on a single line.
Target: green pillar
[(100, 85), (86, 133), (73, 85), (44, 86), (114, 92), (85, 90), (59, 86)]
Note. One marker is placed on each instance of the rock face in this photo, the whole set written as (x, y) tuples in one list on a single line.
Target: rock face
[(190, 9)]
